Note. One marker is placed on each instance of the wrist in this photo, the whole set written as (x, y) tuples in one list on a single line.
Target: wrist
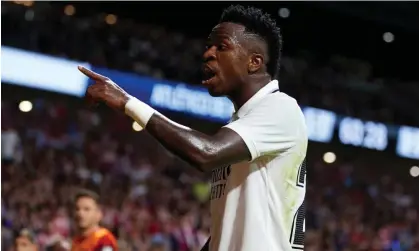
[(124, 102), (138, 110)]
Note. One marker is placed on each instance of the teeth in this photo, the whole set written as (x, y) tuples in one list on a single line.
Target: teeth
[(207, 70), (208, 75)]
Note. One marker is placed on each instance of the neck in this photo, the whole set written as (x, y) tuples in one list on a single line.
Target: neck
[(87, 231), (250, 88)]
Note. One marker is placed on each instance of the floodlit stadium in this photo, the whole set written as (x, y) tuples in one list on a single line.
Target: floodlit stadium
[(352, 67)]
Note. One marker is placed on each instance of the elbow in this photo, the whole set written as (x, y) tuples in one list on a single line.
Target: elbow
[(204, 165), (205, 159)]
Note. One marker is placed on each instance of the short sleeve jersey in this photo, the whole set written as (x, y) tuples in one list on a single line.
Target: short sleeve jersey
[(259, 204), (101, 240)]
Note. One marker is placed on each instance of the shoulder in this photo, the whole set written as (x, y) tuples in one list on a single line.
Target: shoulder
[(102, 232), (273, 124), (280, 102), (105, 238), (283, 119), (273, 106), (278, 110)]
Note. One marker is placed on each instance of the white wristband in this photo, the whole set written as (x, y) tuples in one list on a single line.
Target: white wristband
[(139, 111)]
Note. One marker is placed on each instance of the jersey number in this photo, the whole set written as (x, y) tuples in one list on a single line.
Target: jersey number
[(298, 223)]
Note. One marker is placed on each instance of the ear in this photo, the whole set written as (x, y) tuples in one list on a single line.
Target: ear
[(255, 62)]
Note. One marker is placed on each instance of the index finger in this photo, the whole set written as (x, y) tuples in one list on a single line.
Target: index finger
[(91, 74)]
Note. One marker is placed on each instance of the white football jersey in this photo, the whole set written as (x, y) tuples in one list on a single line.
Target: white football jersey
[(259, 205)]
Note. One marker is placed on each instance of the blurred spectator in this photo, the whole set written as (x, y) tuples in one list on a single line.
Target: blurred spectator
[(343, 84), (25, 241), (10, 145), (152, 206)]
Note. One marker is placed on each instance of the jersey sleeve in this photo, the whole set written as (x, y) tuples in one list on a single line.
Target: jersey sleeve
[(274, 125), (106, 243)]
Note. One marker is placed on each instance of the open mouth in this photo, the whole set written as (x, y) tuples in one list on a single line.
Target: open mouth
[(208, 74)]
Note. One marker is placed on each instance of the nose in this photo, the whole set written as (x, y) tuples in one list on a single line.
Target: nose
[(209, 54)]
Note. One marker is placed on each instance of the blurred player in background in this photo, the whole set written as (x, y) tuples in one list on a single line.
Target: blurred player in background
[(25, 241), (257, 161), (90, 236)]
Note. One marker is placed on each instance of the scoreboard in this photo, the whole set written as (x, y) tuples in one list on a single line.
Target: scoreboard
[(324, 126)]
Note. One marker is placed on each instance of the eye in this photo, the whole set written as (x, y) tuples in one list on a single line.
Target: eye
[(208, 46), (221, 47)]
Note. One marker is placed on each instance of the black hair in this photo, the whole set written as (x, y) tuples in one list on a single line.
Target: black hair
[(85, 193), (262, 25)]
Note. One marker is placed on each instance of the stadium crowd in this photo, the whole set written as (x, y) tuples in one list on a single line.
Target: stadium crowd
[(345, 85), (152, 200)]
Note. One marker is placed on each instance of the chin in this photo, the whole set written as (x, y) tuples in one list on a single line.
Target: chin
[(216, 93), (216, 90)]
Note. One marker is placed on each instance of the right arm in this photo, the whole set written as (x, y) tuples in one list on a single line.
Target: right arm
[(202, 151)]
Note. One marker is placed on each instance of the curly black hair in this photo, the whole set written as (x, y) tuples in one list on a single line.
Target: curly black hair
[(262, 25)]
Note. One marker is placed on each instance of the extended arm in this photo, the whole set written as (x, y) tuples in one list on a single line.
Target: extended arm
[(200, 150), (245, 139)]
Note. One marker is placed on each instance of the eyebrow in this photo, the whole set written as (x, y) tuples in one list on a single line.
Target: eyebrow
[(215, 36)]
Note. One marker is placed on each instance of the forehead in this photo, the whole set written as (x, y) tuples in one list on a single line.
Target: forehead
[(23, 240), (86, 201), (227, 31)]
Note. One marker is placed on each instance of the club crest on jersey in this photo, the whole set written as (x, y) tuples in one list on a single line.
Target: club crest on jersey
[(218, 181)]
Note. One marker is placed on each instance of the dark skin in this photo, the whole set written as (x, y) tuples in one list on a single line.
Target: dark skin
[(238, 60)]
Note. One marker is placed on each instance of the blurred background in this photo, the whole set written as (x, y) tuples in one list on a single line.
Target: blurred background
[(353, 67)]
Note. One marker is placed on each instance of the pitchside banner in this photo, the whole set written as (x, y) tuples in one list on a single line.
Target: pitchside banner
[(172, 96), (35, 70), (48, 73)]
